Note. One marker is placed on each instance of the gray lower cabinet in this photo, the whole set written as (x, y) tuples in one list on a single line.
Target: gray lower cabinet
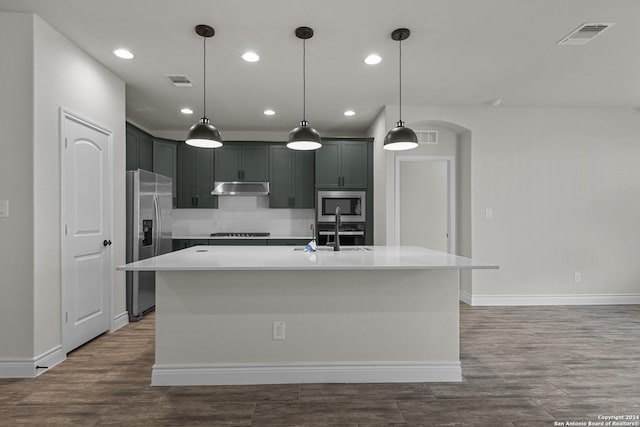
[(288, 242)]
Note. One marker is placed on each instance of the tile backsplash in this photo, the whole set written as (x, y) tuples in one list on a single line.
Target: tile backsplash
[(243, 214)]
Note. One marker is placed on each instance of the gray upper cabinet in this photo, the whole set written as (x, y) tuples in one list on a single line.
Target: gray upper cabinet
[(195, 177), (342, 164), (292, 174), (242, 162), (139, 149), (165, 162)]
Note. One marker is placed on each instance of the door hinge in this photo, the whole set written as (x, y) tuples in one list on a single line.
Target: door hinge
[(66, 142), (66, 231), (66, 317)]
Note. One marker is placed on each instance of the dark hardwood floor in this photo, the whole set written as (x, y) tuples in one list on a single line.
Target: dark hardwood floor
[(522, 366)]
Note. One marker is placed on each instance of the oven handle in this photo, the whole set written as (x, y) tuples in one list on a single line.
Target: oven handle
[(342, 233)]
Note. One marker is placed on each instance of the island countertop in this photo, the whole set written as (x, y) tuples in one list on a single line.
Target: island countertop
[(209, 258)]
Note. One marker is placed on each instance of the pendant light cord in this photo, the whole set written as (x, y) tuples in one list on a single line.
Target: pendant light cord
[(204, 74), (400, 76), (304, 80)]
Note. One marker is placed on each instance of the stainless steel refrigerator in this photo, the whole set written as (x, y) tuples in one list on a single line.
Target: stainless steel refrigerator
[(149, 204)]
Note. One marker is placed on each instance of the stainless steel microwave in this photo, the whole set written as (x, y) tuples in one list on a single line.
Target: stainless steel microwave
[(352, 206)]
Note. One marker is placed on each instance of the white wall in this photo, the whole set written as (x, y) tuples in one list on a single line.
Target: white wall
[(564, 187), (65, 76), (45, 72), (16, 185)]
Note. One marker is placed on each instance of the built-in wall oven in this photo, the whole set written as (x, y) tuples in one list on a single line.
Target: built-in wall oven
[(352, 215), (351, 203)]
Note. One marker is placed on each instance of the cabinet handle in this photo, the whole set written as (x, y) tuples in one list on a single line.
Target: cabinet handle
[(196, 201), (293, 201), (243, 174)]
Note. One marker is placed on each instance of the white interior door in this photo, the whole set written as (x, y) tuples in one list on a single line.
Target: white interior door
[(86, 216), (424, 203)]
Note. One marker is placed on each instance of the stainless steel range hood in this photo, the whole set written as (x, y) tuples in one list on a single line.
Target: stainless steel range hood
[(239, 188)]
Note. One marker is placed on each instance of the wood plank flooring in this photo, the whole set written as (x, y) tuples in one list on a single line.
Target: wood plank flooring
[(522, 366)]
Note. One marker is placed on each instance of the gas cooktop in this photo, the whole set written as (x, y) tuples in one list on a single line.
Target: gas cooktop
[(243, 234)]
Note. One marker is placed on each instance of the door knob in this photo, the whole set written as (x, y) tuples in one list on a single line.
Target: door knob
[(106, 243)]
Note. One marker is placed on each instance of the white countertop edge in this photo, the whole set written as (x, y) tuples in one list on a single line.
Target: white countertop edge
[(207, 237), (310, 268), (281, 258)]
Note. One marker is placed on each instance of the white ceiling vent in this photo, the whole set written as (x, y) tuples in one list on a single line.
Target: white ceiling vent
[(585, 33), (427, 136), (179, 81)]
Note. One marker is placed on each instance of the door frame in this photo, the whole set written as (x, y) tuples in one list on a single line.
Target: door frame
[(63, 115), (451, 195)]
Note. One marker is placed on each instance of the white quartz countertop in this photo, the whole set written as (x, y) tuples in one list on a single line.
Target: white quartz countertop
[(294, 258), (209, 237)]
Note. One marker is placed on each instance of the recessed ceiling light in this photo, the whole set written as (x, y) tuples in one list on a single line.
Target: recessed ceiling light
[(250, 57), (494, 102), (349, 113), (186, 110), (269, 112), (372, 59), (123, 53)]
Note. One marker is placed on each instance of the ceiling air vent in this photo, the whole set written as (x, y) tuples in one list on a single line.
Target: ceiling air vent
[(179, 81), (427, 136), (585, 33)]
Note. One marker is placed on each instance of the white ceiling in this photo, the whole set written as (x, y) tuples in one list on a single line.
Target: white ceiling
[(460, 53)]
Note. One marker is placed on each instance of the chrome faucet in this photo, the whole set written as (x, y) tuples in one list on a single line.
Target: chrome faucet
[(336, 247)]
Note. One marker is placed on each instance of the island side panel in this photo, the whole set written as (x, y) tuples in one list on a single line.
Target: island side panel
[(215, 327)]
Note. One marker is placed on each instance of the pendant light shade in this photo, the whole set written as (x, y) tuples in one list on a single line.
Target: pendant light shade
[(400, 137), (304, 137), (203, 134)]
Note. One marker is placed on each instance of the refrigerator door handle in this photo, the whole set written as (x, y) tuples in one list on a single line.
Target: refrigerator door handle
[(158, 226)]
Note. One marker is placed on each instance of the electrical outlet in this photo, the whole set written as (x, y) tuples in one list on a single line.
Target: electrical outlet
[(4, 208), (577, 277), (278, 331), (488, 213)]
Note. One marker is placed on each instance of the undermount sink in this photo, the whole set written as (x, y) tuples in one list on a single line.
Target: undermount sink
[(342, 249)]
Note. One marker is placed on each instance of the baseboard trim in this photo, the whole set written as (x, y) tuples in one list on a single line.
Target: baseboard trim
[(559, 299), (120, 321), (465, 297), (352, 372), (31, 367)]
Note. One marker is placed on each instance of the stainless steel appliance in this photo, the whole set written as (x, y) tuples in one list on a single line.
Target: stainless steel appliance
[(149, 201), (240, 188), (241, 234), (349, 234), (352, 206)]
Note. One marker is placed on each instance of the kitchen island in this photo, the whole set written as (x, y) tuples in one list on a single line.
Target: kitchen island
[(265, 315)]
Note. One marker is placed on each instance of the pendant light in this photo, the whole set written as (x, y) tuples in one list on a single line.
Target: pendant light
[(400, 137), (304, 137), (203, 134)]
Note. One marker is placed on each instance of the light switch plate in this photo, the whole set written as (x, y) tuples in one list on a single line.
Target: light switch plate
[(488, 213), (4, 209)]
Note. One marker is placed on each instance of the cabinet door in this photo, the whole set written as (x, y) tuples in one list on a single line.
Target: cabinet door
[(288, 242), (228, 163), (185, 177), (178, 244), (132, 150), (303, 172), (280, 182), (203, 161), (145, 152), (139, 149), (354, 164), (255, 163), (165, 162), (327, 165)]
